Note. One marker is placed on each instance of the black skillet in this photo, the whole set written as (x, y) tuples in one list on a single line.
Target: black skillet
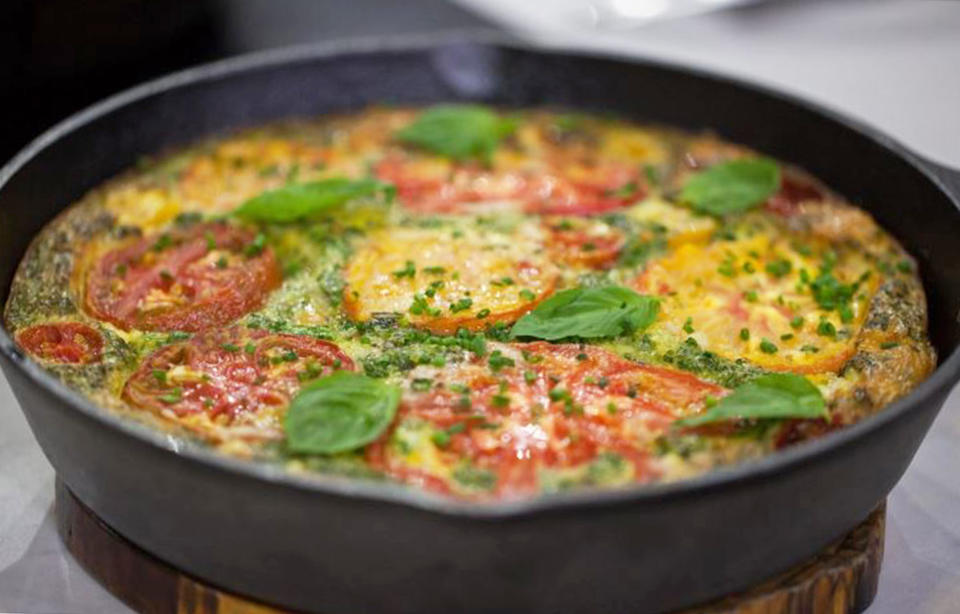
[(333, 546)]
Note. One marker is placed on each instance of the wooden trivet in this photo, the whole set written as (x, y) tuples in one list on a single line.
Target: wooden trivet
[(842, 579)]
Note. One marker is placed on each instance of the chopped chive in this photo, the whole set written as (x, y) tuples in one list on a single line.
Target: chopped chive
[(408, 270), (768, 347), (826, 329)]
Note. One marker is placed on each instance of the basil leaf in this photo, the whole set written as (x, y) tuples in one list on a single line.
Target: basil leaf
[(588, 312), (339, 412), (457, 131), (774, 395), (301, 200), (732, 186)]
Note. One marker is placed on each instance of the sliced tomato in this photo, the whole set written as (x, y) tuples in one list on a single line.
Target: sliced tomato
[(793, 191), (230, 375), (62, 342), (584, 242), (190, 280), (473, 189), (557, 407)]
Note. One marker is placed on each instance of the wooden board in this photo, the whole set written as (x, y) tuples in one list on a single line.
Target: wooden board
[(842, 579)]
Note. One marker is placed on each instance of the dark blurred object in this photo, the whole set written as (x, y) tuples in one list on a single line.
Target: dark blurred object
[(61, 55)]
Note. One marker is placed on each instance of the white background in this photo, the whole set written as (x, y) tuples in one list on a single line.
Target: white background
[(893, 64)]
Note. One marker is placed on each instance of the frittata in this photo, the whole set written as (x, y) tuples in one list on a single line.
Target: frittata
[(483, 303)]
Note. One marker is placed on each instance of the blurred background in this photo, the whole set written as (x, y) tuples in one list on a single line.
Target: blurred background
[(894, 64)]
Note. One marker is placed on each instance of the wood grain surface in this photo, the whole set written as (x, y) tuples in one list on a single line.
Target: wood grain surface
[(842, 579)]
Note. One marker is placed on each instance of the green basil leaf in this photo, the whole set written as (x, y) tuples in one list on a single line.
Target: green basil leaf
[(457, 131), (588, 312), (301, 200), (339, 412), (732, 186), (774, 395)]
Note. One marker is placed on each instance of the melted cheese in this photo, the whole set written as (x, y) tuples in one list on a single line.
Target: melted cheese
[(445, 279), (714, 292)]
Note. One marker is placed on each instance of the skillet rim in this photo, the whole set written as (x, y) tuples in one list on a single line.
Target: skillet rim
[(945, 375)]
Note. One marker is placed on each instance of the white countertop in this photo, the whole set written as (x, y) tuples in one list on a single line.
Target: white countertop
[(894, 64)]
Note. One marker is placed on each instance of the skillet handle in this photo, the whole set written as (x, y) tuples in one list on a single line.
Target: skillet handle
[(949, 177)]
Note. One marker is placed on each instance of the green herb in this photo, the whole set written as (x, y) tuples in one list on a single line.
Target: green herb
[(745, 334), (727, 268), (472, 477), (796, 323), (461, 305), (222, 262), (786, 337), (434, 270), (498, 361), (160, 375), (826, 329), (905, 266), (174, 396), (527, 295), (297, 201), (652, 174), (625, 191), (441, 439), (500, 400), (750, 296), (421, 384), (779, 268), (421, 307), (529, 377), (162, 243), (768, 347), (688, 326), (588, 313), (774, 395), (733, 186), (829, 292), (339, 413), (408, 270), (483, 313), (457, 131), (888, 345), (230, 347), (256, 246)]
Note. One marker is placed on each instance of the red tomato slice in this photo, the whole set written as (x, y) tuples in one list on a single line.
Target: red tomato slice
[(470, 188), (63, 342), (189, 280), (793, 191), (556, 407), (576, 242), (231, 373)]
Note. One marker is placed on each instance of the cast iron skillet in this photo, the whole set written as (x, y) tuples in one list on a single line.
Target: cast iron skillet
[(333, 546)]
